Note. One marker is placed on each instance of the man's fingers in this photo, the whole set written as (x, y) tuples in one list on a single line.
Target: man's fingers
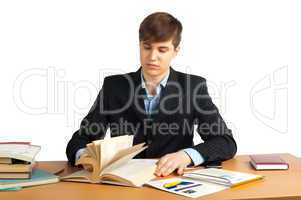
[(181, 170), (87, 167), (169, 169), (161, 162), (164, 167)]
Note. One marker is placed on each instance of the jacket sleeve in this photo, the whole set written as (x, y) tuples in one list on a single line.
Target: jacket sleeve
[(92, 127), (219, 144)]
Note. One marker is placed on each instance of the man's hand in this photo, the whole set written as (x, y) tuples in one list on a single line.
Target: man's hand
[(87, 167), (80, 155), (170, 162)]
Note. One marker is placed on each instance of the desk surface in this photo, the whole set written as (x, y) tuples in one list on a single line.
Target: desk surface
[(275, 185)]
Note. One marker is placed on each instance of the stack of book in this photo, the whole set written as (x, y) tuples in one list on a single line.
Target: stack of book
[(17, 160), (17, 167)]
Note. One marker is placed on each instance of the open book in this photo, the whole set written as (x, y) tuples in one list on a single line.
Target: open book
[(111, 162)]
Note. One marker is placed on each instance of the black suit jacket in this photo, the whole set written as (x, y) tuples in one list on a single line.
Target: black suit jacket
[(184, 102)]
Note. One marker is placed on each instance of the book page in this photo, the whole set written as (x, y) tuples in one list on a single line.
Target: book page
[(91, 151), (136, 171), (79, 176), (125, 152), (130, 153), (19, 151), (110, 147), (96, 149)]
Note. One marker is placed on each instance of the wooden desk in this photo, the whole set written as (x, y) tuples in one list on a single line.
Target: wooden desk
[(276, 185)]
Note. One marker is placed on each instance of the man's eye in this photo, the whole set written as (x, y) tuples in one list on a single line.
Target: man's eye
[(162, 50), (147, 47)]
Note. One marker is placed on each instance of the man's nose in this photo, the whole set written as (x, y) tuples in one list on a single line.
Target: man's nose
[(153, 56)]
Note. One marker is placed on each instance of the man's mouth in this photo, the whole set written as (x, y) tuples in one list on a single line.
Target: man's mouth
[(152, 65)]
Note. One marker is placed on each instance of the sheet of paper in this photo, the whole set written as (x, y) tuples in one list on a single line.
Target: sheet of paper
[(221, 176), (186, 187)]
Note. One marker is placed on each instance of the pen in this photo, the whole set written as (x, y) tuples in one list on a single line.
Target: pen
[(184, 188)]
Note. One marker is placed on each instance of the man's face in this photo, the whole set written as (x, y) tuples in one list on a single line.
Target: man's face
[(156, 57)]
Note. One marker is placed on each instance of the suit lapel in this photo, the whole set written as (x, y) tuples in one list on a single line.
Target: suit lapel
[(138, 102), (170, 97)]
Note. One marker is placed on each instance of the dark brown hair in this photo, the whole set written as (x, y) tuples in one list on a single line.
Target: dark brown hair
[(160, 27)]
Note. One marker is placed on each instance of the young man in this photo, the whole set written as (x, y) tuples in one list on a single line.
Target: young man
[(159, 106)]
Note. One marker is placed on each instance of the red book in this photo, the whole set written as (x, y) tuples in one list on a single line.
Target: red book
[(268, 162), (15, 143)]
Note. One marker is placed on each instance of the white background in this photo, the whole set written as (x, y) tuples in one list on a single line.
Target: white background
[(54, 55)]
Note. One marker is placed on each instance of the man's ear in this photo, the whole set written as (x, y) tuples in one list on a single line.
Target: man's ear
[(177, 49)]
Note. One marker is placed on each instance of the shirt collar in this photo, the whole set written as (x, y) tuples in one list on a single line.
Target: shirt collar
[(163, 82)]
